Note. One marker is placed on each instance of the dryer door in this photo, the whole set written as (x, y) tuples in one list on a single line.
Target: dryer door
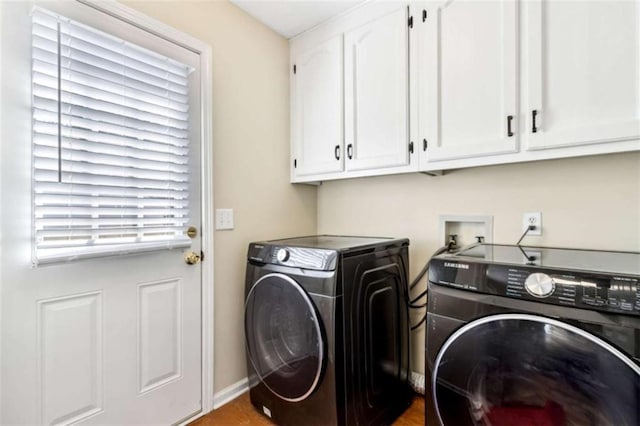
[(284, 337), (530, 370)]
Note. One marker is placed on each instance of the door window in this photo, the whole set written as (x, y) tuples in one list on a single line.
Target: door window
[(110, 143), (284, 337), (529, 370)]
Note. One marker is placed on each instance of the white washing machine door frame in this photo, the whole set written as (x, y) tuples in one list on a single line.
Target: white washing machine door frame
[(284, 337), (553, 339)]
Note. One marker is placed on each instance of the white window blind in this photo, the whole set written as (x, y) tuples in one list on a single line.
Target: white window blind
[(110, 144)]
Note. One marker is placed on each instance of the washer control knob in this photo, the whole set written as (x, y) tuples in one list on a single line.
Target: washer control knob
[(539, 284), (282, 255)]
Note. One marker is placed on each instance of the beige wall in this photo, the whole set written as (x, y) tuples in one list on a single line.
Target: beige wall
[(586, 202), (251, 152), (591, 202)]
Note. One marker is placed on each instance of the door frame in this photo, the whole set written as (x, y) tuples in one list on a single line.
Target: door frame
[(162, 30), (1, 227)]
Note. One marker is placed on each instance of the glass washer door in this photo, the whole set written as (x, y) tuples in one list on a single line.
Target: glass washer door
[(516, 369), (284, 337)]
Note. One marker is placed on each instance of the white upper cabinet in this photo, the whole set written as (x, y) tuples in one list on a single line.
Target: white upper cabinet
[(350, 100), (468, 55), (576, 91), (583, 82), (389, 88), (377, 92), (317, 109)]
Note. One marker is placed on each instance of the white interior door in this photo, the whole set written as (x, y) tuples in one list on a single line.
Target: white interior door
[(468, 63), (317, 109), (583, 60), (111, 340), (377, 92)]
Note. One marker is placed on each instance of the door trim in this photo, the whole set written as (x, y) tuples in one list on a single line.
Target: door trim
[(162, 30), (1, 240)]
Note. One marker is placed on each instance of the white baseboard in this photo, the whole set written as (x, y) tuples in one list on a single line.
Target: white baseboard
[(230, 392), (417, 382)]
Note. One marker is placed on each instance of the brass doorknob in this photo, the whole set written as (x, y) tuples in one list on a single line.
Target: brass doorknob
[(192, 258)]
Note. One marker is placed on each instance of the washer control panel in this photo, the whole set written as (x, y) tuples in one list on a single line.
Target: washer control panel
[(294, 257), (591, 290)]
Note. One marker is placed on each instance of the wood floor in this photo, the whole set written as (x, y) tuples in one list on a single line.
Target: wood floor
[(241, 412)]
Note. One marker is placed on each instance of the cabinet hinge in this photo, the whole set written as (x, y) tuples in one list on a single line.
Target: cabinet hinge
[(410, 147), (410, 22), (424, 15), (295, 163), (424, 144), (294, 68)]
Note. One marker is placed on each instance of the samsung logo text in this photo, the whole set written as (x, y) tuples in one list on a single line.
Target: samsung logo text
[(456, 265)]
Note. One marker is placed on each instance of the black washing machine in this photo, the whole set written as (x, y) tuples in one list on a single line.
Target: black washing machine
[(327, 330), (533, 336)]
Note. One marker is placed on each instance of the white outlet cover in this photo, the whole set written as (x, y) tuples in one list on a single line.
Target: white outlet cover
[(532, 218)]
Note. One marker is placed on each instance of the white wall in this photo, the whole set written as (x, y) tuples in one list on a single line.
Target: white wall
[(251, 154), (589, 202)]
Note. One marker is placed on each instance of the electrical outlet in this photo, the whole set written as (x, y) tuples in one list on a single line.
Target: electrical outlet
[(535, 219)]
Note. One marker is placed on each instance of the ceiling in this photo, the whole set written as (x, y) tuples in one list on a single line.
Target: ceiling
[(292, 17)]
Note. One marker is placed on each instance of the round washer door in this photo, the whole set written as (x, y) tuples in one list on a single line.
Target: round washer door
[(284, 337), (516, 369)]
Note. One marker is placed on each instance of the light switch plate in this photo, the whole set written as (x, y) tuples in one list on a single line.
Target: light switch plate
[(224, 219)]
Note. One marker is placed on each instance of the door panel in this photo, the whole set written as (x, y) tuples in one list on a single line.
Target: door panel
[(317, 109), (376, 93), (467, 66), (159, 319), (284, 336), (106, 340), (72, 387), (527, 369), (584, 78)]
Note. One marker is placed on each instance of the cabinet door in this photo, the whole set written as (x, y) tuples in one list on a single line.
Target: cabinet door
[(584, 72), (317, 109), (467, 78), (376, 93)]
